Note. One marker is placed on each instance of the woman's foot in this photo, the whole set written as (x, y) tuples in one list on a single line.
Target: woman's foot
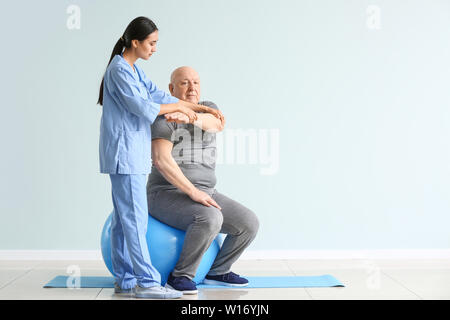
[(156, 292)]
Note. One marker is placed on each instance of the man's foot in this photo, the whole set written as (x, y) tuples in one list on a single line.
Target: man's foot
[(119, 290), (156, 292), (183, 284), (229, 279)]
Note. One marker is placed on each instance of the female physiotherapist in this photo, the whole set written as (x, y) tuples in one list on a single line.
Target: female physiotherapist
[(131, 102)]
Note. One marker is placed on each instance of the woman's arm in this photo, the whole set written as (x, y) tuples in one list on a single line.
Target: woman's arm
[(213, 119), (129, 96), (179, 106), (205, 121)]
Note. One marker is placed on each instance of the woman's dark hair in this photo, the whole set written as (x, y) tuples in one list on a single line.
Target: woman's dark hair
[(138, 29)]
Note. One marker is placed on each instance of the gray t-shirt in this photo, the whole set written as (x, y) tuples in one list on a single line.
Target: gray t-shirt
[(194, 150)]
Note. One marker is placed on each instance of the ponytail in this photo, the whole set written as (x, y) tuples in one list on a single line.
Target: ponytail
[(118, 48)]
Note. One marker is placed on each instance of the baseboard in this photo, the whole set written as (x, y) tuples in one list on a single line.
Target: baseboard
[(347, 254), (50, 255), (247, 255)]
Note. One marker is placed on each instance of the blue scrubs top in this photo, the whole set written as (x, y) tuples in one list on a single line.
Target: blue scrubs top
[(131, 102)]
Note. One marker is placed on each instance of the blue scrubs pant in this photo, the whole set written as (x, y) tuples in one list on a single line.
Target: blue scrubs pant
[(129, 252)]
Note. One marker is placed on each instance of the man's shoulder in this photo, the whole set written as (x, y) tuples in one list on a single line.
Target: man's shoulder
[(209, 104), (161, 124), (160, 118)]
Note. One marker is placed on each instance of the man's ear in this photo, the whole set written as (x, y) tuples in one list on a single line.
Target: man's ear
[(171, 88)]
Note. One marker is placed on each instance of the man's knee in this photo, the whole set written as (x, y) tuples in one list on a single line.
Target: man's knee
[(251, 224), (210, 219)]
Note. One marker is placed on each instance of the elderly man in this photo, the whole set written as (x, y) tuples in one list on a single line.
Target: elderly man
[(181, 193)]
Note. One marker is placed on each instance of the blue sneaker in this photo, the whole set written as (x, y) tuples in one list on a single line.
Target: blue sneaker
[(183, 284), (230, 279)]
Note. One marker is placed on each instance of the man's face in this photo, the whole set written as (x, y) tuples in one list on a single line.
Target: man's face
[(185, 84)]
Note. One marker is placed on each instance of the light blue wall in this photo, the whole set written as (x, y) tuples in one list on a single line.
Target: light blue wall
[(362, 115)]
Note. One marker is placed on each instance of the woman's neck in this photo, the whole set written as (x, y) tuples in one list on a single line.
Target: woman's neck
[(129, 57)]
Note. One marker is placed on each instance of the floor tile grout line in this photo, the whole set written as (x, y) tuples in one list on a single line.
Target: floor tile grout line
[(401, 284), (16, 278), (309, 294), (295, 274), (101, 289), (289, 268), (397, 282)]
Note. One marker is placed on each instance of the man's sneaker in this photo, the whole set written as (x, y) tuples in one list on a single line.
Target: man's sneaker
[(119, 290), (156, 292), (229, 279), (183, 284)]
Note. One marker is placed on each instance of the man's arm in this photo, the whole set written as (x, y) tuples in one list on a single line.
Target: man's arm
[(206, 120), (164, 162)]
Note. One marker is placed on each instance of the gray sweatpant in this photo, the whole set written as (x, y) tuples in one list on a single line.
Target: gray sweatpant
[(202, 224)]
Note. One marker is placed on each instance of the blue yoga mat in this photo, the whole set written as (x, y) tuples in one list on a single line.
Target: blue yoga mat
[(253, 282)]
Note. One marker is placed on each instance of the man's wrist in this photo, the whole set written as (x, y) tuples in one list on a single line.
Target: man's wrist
[(191, 191), (199, 108)]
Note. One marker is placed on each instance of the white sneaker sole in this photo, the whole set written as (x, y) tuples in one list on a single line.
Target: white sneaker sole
[(220, 283), (184, 292), (124, 294), (163, 294), (157, 296)]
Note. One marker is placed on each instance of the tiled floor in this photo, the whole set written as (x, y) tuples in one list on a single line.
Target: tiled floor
[(363, 279)]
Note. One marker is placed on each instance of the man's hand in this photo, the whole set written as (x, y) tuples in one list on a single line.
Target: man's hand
[(177, 117), (205, 109), (185, 107), (205, 123), (203, 198), (216, 113)]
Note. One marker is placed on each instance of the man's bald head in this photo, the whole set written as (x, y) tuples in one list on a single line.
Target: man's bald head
[(185, 84), (182, 71)]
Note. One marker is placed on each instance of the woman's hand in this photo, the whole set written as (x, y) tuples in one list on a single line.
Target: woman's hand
[(184, 107), (177, 117), (205, 109), (203, 198)]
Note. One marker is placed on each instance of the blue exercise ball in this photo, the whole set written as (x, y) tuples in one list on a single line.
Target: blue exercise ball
[(164, 245)]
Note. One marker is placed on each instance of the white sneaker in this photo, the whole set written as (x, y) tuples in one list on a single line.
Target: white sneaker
[(119, 291), (156, 292)]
